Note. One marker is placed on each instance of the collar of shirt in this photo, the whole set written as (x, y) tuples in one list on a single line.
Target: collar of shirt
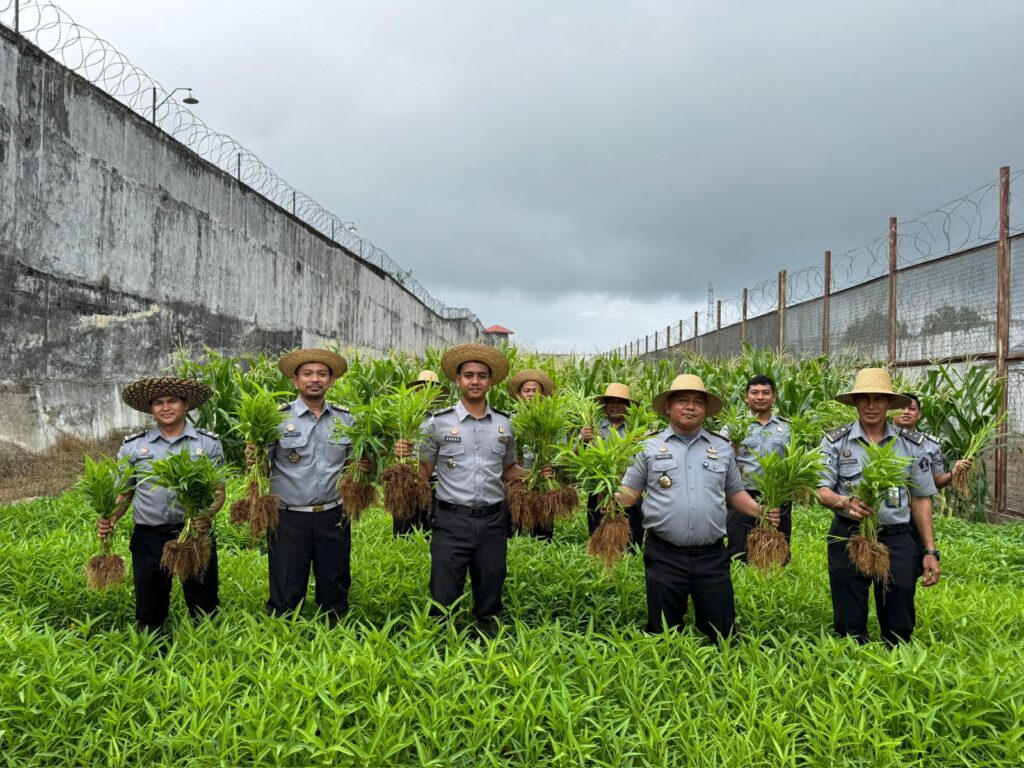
[(462, 414), (189, 432), (668, 433), (773, 419), (857, 433), (300, 408)]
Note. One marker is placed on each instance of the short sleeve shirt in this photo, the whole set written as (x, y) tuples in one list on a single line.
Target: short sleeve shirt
[(469, 454), (306, 462), (843, 455), (691, 510), (762, 439), (152, 505)]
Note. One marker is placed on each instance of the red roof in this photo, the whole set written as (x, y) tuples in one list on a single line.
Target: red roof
[(498, 329)]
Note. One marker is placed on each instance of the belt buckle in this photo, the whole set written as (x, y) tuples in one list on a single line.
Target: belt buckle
[(318, 507)]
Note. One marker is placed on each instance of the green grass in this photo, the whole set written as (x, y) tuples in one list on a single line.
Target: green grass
[(570, 681)]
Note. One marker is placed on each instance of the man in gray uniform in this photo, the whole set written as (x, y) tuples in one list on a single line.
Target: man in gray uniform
[(843, 455), (472, 447), (305, 465), (615, 401), (158, 517), (687, 474), (769, 433)]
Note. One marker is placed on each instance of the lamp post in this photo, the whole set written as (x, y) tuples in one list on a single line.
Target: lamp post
[(190, 100)]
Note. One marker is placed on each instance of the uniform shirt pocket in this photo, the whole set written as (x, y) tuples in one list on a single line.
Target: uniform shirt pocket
[(659, 468), (713, 474), (498, 447), (451, 449), (849, 475)]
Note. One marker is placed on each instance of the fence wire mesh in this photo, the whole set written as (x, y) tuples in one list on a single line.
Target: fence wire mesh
[(52, 30)]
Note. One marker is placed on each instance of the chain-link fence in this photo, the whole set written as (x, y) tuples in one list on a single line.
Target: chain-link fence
[(925, 291), (76, 47)]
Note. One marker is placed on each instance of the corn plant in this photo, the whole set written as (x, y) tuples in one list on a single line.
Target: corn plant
[(103, 483), (734, 422)]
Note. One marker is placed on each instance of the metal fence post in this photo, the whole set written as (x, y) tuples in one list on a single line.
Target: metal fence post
[(655, 341), (647, 344), (238, 167), (696, 343), (1003, 331), (668, 336), (826, 296), (782, 311), (891, 354), (17, 17), (154, 106), (743, 322), (718, 330)]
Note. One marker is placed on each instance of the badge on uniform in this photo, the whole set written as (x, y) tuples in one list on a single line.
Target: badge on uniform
[(665, 481), (290, 427), (779, 429), (847, 453), (452, 439), (199, 451), (455, 430), (450, 462), (501, 429), (143, 449), (293, 457), (826, 458), (503, 439), (663, 448), (894, 496), (712, 453), (925, 464)]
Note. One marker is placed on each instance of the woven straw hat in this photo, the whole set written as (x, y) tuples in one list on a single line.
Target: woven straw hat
[(547, 386), (475, 353), (425, 378), (621, 391), (873, 381), (290, 363), (687, 382), (140, 394)]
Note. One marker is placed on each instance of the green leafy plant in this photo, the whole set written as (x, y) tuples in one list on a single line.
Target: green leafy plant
[(734, 421), (193, 482), (370, 437), (259, 418), (883, 471), (406, 490), (102, 484)]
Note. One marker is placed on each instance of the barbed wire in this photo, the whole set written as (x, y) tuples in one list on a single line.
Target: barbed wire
[(52, 30)]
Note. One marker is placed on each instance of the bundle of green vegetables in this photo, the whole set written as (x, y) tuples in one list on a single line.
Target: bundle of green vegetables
[(103, 484)]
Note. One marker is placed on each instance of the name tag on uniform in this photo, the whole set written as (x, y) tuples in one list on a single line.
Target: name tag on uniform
[(452, 439)]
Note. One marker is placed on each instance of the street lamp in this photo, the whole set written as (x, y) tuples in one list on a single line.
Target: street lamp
[(190, 100)]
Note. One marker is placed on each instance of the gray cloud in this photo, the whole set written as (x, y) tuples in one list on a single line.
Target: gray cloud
[(558, 153)]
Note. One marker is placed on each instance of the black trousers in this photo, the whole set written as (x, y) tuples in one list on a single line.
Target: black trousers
[(321, 540), (894, 602), (462, 543), (421, 521), (738, 526), (153, 583), (675, 574), (635, 514)]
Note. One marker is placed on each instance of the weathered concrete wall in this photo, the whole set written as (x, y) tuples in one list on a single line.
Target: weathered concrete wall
[(117, 243)]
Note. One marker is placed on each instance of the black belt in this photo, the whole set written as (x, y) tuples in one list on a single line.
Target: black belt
[(699, 549), (461, 509), (883, 530), (165, 528)]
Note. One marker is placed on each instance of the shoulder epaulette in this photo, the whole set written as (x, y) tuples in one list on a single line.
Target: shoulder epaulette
[(134, 436), (783, 419), (915, 437), (284, 406), (933, 438), (720, 437), (208, 433), (653, 433), (341, 408), (503, 413), (835, 435), (449, 409)]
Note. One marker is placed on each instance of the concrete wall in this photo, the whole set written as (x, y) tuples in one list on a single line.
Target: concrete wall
[(117, 243)]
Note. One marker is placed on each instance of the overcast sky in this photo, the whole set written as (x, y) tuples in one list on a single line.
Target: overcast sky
[(580, 170)]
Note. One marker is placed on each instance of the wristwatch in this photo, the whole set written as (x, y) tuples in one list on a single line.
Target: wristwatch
[(934, 553)]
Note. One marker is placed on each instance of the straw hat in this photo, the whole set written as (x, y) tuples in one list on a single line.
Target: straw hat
[(547, 386), (290, 363), (475, 353), (140, 394), (621, 391), (873, 381), (425, 378), (687, 382)]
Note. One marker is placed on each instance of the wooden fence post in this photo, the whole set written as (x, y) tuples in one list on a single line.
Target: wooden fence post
[(891, 354), (782, 312)]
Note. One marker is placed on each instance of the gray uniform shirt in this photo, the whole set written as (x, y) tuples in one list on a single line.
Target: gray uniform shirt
[(152, 505), (762, 439), (691, 511), (929, 446), (843, 455), (469, 454), (604, 427), (306, 463)]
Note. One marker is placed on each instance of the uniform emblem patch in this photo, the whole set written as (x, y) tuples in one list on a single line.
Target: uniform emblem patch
[(847, 453), (293, 457), (450, 463), (665, 481)]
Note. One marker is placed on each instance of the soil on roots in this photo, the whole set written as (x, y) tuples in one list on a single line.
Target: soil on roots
[(103, 571), (767, 548), (356, 497), (263, 514), (610, 539), (406, 491), (961, 485), (241, 512), (869, 557), (187, 559), (520, 504)]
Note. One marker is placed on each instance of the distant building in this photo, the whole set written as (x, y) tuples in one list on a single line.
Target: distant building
[(497, 334)]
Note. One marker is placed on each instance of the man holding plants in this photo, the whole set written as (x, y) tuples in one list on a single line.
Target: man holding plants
[(305, 465), (844, 456), (421, 520), (769, 433), (526, 385), (687, 474), (927, 445), (472, 447), (158, 518), (615, 401)]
